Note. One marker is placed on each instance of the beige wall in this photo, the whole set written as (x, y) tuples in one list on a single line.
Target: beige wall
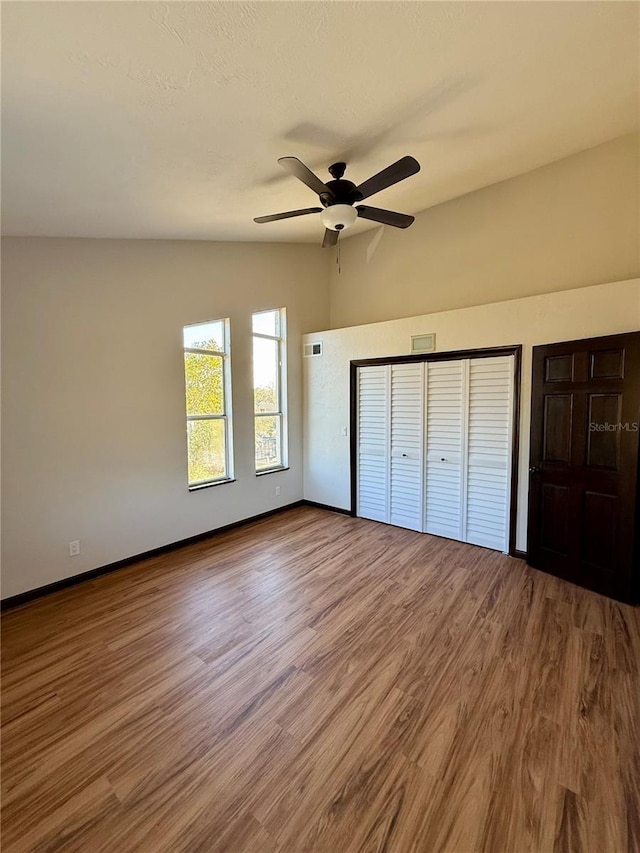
[(583, 313), (571, 224), (93, 392)]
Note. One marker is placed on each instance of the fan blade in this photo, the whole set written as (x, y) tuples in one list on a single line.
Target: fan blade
[(304, 174), (330, 237), (404, 168), (275, 216), (387, 217)]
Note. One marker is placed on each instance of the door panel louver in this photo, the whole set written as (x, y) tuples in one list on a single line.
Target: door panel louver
[(405, 491), (489, 451), (444, 449), (373, 460)]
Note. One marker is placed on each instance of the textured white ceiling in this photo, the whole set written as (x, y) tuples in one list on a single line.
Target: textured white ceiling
[(165, 120)]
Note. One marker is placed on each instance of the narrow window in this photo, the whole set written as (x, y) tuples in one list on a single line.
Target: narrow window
[(269, 389), (207, 370)]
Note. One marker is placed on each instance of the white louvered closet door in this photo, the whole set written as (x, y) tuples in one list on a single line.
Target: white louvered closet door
[(468, 450), (434, 447), (445, 444), (489, 451), (373, 442), (406, 481)]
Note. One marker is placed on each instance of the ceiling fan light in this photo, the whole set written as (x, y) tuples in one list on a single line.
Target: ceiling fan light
[(338, 216)]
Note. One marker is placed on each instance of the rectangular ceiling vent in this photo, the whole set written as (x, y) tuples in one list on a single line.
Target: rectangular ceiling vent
[(313, 349), (423, 343)]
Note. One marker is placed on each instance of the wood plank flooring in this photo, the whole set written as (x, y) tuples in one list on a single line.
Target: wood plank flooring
[(313, 682)]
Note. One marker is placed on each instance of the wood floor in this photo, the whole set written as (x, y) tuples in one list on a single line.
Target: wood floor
[(314, 682)]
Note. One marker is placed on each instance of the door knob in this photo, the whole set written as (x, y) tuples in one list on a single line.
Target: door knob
[(535, 470)]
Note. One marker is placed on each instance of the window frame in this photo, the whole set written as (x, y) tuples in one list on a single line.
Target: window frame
[(226, 416), (281, 389)]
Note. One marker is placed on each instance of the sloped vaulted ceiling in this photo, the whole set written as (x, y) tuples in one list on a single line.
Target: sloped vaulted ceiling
[(165, 120)]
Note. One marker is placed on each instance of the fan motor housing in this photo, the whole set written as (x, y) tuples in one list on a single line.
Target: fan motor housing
[(342, 192)]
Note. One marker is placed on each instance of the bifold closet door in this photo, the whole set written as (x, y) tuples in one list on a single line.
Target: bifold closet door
[(390, 437), (468, 443), (434, 447), (488, 465), (445, 444), (406, 435), (373, 442)]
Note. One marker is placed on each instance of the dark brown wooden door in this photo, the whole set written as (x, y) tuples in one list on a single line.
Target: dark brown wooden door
[(583, 476)]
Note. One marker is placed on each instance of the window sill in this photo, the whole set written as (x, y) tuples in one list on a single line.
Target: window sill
[(272, 470), (210, 485)]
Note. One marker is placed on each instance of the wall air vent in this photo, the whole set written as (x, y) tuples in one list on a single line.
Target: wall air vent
[(313, 349), (423, 343)]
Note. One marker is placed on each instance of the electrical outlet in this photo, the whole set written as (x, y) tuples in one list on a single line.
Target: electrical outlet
[(277, 491), (74, 548)]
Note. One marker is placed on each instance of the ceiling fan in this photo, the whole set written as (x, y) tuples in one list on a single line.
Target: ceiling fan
[(339, 196)]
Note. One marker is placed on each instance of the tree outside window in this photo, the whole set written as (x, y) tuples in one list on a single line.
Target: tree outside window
[(269, 389), (208, 402)]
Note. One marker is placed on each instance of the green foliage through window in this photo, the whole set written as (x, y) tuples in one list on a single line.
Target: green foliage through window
[(204, 376), (207, 399), (268, 388)]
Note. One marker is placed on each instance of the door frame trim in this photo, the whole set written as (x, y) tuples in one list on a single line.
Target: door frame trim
[(453, 355)]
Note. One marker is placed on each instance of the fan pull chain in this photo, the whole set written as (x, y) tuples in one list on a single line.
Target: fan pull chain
[(338, 259)]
